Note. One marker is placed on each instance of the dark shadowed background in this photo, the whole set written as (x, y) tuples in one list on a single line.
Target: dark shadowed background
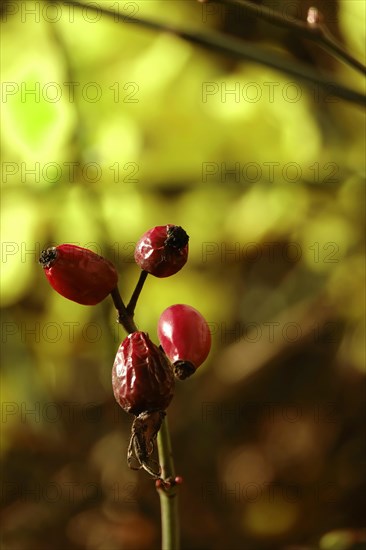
[(110, 129)]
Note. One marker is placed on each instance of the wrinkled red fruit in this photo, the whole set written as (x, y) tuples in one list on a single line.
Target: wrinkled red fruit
[(185, 337), (78, 273), (142, 377), (163, 250)]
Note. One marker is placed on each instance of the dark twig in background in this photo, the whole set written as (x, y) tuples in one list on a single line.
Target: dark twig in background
[(317, 31), (240, 50)]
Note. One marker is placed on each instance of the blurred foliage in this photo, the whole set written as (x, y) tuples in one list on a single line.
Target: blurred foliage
[(127, 129)]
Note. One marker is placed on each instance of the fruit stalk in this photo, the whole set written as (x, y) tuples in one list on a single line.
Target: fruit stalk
[(124, 318), (136, 293)]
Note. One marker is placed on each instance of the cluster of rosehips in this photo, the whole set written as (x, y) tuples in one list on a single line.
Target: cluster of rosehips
[(143, 373)]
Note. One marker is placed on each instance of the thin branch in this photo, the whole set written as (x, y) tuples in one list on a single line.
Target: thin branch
[(136, 293), (238, 49), (316, 32), (124, 318)]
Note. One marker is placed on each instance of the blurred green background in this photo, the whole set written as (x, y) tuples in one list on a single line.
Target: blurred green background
[(110, 129)]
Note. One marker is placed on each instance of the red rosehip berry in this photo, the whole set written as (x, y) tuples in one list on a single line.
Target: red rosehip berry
[(185, 337), (78, 273), (163, 250), (142, 377)]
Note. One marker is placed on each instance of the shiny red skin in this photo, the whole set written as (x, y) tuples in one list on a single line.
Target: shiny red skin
[(78, 273), (142, 377), (159, 254), (184, 334)]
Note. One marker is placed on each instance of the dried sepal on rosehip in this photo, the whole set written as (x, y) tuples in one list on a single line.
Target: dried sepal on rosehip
[(143, 385), (163, 250), (79, 274), (185, 337), (144, 432)]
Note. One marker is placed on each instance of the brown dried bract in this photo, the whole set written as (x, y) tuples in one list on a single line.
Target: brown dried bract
[(144, 431)]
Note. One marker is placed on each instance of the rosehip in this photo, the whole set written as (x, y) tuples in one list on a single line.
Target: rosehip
[(78, 273), (163, 250), (185, 337), (142, 377)]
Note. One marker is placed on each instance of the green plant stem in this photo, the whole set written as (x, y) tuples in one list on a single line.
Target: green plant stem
[(136, 293), (238, 49), (124, 318), (168, 494), (318, 33)]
